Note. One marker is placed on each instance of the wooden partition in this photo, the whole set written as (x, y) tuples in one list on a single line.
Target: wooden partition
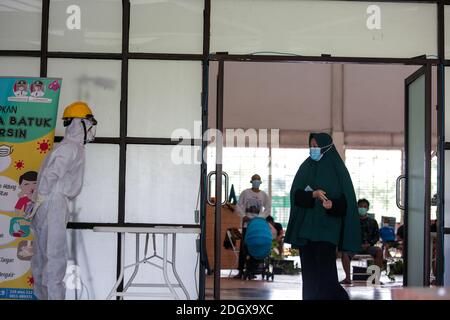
[(230, 219)]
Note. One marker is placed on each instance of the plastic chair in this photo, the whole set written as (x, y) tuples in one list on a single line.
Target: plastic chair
[(363, 262)]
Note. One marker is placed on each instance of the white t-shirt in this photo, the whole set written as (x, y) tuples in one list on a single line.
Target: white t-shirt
[(253, 204)]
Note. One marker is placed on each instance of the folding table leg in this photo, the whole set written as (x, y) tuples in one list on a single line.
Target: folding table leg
[(122, 267), (174, 269), (136, 267), (166, 277)]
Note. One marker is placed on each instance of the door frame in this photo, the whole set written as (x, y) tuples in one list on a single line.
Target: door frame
[(426, 72), (222, 57)]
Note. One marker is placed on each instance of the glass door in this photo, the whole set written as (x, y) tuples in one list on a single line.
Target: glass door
[(418, 177)]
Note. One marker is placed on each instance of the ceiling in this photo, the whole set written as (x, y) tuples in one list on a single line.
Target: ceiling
[(365, 102)]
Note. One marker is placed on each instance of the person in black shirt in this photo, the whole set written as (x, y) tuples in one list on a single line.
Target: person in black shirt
[(370, 235), (401, 233)]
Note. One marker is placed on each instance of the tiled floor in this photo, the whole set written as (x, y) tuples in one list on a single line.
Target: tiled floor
[(285, 287)]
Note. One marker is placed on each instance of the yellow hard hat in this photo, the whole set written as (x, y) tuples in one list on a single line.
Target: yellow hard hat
[(78, 109)]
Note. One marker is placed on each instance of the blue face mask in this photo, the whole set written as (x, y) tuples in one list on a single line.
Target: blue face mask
[(315, 154), (256, 184)]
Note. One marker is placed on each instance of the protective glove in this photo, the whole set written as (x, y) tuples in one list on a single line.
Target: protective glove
[(30, 212)]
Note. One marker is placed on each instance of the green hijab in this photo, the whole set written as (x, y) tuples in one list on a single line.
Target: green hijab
[(314, 224)]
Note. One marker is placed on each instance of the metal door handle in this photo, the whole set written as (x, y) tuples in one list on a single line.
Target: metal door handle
[(208, 187), (398, 196)]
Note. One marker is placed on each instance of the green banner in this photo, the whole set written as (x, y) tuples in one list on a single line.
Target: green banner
[(28, 111)]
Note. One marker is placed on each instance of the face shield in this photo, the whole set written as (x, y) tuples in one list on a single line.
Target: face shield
[(90, 129)]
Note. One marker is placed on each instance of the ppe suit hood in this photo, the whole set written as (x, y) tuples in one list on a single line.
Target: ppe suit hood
[(75, 131)]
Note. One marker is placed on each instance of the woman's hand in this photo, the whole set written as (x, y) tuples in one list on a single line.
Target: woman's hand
[(328, 204), (320, 194)]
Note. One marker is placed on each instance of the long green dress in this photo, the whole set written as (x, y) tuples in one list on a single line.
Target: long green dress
[(315, 224)]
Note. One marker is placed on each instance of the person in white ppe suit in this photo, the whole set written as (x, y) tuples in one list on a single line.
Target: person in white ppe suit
[(59, 181)]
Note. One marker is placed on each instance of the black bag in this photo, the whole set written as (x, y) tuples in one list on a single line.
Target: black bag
[(235, 235)]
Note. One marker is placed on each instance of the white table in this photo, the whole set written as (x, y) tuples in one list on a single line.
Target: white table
[(161, 230)]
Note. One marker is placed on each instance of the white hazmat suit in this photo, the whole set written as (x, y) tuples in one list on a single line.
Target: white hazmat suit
[(60, 180)]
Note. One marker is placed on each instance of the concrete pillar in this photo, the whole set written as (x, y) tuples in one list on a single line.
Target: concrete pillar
[(337, 108), (338, 139)]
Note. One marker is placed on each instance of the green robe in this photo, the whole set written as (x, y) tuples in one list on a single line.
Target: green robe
[(314, 224)]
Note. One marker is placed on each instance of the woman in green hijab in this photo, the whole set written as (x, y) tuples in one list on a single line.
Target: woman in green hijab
[(324, 216)]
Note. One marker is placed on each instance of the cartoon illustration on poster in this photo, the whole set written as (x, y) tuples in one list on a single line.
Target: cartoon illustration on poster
[(28, 110)]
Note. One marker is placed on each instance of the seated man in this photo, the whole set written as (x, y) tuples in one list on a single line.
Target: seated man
[(369, 236)]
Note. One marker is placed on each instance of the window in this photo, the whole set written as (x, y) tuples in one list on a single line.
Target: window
[(13, 66), (164, 96), (285, 163), (158, 189), (340, 28), (20, 25), (374, 174), (95, 81), (240, 164), (92, 34), (98, 201), (166, 26)]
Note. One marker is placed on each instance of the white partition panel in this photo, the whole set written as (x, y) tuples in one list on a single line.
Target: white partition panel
[(174, 26), (447, 216), (447, 260), (162, 184), (19, 66), (164, 96), (20, 25), (186, 266), (92, 263), (447, 180), (85, 26), (98, 201), (447, 104), (95, 81), (339, 28), (447, 28)]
